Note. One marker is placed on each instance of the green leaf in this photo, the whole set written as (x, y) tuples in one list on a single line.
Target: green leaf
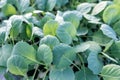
[(37, 31), (71, 17), (91, 17), (84, 7), (94, 63), (62, 74), (23, 5), (44, 54), (100, 38), (16, 24), (85, 75), (81, 48), (115, 49), (9, 9), (50, 4), (116, 27), (29, 30), (111, 18), (49, 40), (50, 27), (17, 65), (99, 7), (2, 34), (61, 3), (94, 47), (108, 31), (117, 2), (63, 55), (25, 50), (66, 32), (82, 31), (5, 54), (111, 72), (41, 4)]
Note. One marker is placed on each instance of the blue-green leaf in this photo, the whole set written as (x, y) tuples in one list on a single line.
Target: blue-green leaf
[(62, 74), (108, 31)]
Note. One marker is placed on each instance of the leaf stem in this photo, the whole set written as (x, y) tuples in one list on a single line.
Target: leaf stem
[(35, 71)]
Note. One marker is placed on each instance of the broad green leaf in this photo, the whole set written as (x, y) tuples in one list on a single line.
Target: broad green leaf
[(71, 17), (50, 4), (9, 9), (59, 17), (117, 2), (44, 54), (94, 63), (5, 54), (116, 27), (62, 74), (25, 50), (81, 48), (61, 3), (66, 32), (108, 31), (17, 65), (85, 74), (94, 47), (99, 7), (23, 5), (50, 27), (111, 72), (111, 18), (100, 38), (63, 55), (49, 40), (84, 8), (115, 49)]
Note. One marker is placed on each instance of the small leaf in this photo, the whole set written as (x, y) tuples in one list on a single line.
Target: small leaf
[(64, 74), (50, 27), (108, 31), (99, 7), (63, 55), (49, 40), (111, 72), (94, 63), (91, 17), (84, 7), (37, 31), (17, 65), (44, 54)]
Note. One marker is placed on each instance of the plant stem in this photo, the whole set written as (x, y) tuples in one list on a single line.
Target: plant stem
[(35, 71)]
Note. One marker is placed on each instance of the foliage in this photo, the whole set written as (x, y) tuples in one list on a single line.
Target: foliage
[(60, 39)]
